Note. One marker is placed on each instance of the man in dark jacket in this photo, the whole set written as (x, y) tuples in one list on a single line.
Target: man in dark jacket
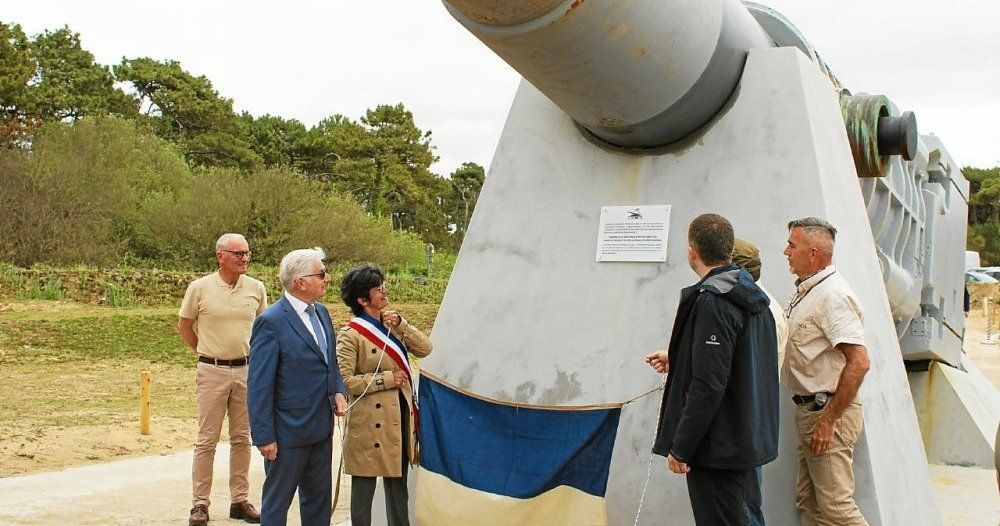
[(719, 418)]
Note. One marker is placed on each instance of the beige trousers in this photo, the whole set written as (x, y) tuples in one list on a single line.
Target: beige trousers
[(824, 489), (221, 390)]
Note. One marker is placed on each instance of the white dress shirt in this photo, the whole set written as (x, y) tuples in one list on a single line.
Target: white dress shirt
[(300, 309)]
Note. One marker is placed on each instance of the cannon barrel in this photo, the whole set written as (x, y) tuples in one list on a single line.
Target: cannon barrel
[(637, 74)]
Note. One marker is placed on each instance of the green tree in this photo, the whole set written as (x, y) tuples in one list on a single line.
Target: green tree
[(278, 141), (466, 184), (187, 110), (384, 161), (69, 84), (16, 70), (984, 192), (984, 213), (336, 151), (401, 154)]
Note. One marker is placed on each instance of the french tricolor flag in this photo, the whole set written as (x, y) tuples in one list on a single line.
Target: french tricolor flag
[(486, 462)]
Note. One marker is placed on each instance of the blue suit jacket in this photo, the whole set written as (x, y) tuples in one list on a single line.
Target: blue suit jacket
[(290, 387)]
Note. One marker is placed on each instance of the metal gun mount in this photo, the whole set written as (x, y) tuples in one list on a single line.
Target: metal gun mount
[(643, 75)]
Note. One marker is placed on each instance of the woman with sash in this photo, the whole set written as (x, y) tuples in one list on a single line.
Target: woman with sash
[(381, 436)]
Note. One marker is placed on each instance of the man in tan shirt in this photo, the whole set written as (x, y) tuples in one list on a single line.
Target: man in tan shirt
[(824, 365), (223, 305)]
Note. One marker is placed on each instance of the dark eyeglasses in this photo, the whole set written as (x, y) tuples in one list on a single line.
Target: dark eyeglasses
[(321, 274), (239, 253)]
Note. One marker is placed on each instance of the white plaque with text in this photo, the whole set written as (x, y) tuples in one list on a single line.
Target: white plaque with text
[(633, 233)]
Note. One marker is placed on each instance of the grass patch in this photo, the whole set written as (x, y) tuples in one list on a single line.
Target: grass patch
[(130, 287), (77, 364), (124, 335), (21, 285), (120, 296)]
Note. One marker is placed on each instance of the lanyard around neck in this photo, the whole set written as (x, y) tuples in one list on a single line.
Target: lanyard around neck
[(798, 299)]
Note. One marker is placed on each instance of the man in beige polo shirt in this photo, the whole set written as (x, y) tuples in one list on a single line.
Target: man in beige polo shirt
[(223, 306), (825, 363)]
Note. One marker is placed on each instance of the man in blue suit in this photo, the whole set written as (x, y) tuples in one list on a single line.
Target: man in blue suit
[(294, 391)]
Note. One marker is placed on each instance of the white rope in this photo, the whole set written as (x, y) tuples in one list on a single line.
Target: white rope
[(344, 422), (649, 469), (346, 419)]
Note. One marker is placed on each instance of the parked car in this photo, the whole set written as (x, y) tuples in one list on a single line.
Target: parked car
[(974, 276), (993, 272)]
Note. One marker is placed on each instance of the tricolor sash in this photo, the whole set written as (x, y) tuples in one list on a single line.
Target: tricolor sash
[(380, 336)]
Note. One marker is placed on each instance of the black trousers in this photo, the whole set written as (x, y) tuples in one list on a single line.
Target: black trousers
[(721, 497), (397, 495), (396, 499)]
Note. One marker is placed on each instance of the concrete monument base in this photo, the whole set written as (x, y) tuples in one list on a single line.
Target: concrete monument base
[(531, 316), (958, 413)]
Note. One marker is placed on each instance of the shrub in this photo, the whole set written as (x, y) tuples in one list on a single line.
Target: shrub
[(106, 192), (74, 198), (277, 209)]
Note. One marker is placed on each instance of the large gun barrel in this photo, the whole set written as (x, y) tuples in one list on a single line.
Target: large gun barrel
[(637, 74)]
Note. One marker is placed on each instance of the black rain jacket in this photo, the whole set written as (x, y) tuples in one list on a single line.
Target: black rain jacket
[(720, 405)]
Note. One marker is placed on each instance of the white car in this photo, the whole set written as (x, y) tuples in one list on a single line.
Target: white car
[(993, 272), (975, 276)]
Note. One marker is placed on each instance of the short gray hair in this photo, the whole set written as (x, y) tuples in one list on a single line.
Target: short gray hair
[(819, 231), (296, 264), (224, 240)]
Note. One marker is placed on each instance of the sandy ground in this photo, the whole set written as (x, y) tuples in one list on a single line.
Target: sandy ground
[(986, 357), (967, 496), (29, 449)]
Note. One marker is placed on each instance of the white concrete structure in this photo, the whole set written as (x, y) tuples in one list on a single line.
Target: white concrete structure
[(530, 316), (959, 411)]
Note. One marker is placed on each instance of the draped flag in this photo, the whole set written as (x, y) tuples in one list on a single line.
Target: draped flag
[(493, 463)]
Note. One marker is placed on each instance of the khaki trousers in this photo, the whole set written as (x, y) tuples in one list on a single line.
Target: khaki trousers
[(221, 390), (824, 489)]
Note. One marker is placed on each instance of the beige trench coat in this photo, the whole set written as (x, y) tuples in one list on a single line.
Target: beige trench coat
[(373, 445)]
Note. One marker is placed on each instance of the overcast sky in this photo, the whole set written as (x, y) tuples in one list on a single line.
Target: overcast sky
[(308, 59)]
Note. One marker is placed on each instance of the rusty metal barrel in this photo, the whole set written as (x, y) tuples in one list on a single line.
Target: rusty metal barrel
[(636, 74)]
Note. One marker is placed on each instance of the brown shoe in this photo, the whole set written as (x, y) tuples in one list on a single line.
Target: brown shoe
[(244, 510), (199, 516)]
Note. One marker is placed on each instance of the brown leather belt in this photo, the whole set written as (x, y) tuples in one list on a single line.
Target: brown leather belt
[(223, 363)]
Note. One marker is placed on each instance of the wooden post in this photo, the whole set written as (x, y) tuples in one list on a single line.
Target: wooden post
[(144, 403), (989, 322)]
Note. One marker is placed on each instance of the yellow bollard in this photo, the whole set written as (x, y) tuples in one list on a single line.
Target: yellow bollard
[(144, 403)]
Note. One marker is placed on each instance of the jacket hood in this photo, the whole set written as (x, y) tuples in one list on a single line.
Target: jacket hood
[(737, 286)]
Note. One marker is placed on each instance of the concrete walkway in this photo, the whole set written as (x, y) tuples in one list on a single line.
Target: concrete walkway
[(156, 491), (146, 491)]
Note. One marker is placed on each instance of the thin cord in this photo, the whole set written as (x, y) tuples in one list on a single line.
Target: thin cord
[(346, 420), (649, 469), (344, 423)]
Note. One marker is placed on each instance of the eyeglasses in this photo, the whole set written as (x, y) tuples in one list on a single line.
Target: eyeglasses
[(240, 254), (381, 288), (321, 275)]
